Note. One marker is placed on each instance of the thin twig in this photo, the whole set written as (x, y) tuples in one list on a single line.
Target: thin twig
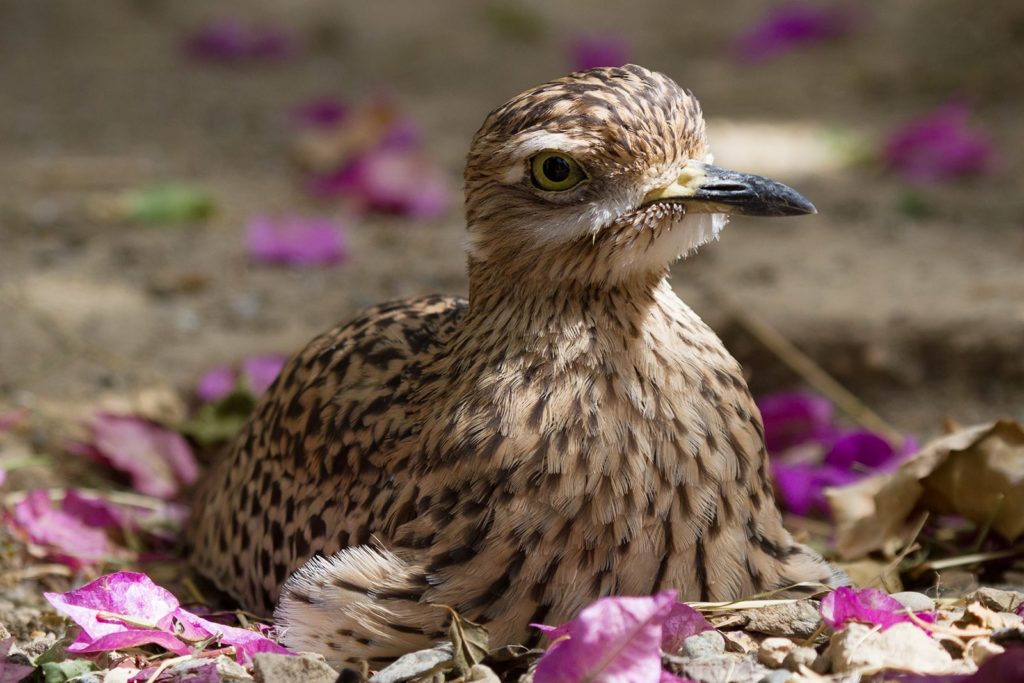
[(804, 366)]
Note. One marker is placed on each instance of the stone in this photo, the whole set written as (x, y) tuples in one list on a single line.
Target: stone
[(917, 602), (706, 644), (800, 656), (417, 664), (780, 676), (903, 647), (800, 619), (482, 674), (773, 651), (270, 667)]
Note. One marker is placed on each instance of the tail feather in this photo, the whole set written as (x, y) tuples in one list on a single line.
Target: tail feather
[(361, 604)]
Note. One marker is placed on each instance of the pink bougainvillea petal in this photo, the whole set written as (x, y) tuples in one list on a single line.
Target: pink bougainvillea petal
[(215, 384), (296, 241), (68, 537), (325, 112), (128, 594), (12, 672), (231, 40), (126, 609), (789, 26), (682, 622), (866, 606), (132, 638), (158, 460), (590, 52), (94, 512), (261, 371), (246, 643), (939, 147), (614, 640), (794, 418)]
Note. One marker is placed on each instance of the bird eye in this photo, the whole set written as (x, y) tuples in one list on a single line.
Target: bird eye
[(556, 172)]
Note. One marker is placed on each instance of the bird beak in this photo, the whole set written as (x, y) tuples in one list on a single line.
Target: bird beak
[(704, 188)]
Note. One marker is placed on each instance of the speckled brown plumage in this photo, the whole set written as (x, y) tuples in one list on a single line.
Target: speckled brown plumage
[(572, 430)]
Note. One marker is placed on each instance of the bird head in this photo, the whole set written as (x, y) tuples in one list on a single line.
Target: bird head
[(604, 174)]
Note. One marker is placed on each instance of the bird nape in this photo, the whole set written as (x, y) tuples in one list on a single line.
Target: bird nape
[(570, 431)]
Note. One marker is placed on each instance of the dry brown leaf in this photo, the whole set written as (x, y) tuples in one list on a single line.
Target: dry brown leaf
[(977, 472)]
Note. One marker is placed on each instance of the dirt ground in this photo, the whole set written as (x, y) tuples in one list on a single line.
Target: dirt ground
[(920, 312)]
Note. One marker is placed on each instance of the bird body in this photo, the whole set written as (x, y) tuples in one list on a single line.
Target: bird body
[(572, 430)]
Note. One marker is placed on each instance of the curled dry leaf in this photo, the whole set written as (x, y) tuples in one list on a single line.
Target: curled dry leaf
[(977, 472)]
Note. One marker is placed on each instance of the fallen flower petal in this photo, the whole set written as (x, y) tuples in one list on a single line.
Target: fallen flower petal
[(231, 40), (68, 537), (616, 639), (96, 606), (794, 418), (296, 241), (793, 25), (325, 112), (93, 512), (246, 643), (865, 605), (216, 384), (126, 609), (261, 371), (158, 460), (590, 52), (939, 147), (682, 622), (11, 672)]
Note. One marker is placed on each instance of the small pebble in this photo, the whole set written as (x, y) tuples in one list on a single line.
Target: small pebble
[(773, 651), (777, 676), (706, 644), (800, 656), (918, 602)]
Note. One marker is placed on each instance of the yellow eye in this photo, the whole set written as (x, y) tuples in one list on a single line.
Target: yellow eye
[(556, 172)]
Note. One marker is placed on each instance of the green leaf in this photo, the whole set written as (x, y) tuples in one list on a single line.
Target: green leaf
[(170, 203), (59, 672), (218, 422)]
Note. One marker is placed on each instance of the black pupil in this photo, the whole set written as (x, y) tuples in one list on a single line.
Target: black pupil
[(556, 169)]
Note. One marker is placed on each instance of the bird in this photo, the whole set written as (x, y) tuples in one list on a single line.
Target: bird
[(569, 431)]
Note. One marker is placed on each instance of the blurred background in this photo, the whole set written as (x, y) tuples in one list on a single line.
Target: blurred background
[(185, 184)]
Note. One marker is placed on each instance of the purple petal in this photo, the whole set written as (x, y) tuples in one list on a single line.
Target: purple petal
[(93, 512), (230, 40), (614, 640), (866, 606), (157, 459), (216, 384), (325, 112), (129, 594), (261, 371), (402, 184), (590, 52), (939, 147), (133, 638), (794, 418), (64, 533), (793, 25), (682, 622), (295, 241), (11, 672), (246, 643), (862, 451), (12, 418)]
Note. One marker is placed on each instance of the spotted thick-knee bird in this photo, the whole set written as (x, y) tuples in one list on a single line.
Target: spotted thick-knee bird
[(569, 431)]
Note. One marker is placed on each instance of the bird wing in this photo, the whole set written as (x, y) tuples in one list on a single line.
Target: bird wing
[(301, 477)]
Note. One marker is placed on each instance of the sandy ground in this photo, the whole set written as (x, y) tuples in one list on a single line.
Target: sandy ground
[(920, 312)]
